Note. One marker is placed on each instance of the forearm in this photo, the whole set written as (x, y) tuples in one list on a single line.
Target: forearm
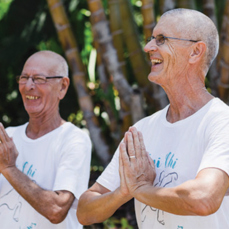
[(189, 198), (43, 201), (94, 207)]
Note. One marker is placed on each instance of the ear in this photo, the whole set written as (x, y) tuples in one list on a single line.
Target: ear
[(197, 52), (64, 87)]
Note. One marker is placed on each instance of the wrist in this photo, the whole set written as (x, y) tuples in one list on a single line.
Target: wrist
[(123, 196), (140, 190), (7, 169)]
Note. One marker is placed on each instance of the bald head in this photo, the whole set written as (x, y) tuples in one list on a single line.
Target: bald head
[(194, 25), (60, 65)]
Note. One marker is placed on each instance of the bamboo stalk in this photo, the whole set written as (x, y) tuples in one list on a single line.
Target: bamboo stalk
[(137, 57), (147, 10), (101, 31), (117, 35), (69, 45), (209, 10), (117, 32), (224, 57), (103, 35), (189, 4), (159, 96), (167, 5), (105, 85)]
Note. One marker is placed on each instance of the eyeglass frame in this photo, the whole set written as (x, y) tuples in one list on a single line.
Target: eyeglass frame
[(32, 77), (164, 37)]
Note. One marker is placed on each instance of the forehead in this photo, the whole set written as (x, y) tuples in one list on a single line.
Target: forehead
[(40, 64), (170, 26)]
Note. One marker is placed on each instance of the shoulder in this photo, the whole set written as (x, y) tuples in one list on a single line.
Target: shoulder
[(11, 130), (218, 110), (70, 132), (69, 128)]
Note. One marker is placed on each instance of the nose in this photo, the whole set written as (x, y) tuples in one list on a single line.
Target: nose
[(150, 46), (29, 84)]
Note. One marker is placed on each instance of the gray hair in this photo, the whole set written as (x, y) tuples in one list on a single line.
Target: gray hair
[(197, 26)]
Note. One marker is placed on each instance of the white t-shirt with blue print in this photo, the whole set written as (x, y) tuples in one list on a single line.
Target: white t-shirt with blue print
[(180, 150), (59, 160)]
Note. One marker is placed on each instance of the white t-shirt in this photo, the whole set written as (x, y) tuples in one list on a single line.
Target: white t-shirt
[(180, 150), (59, 160)]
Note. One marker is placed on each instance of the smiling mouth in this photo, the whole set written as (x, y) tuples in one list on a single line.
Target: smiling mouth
[(30, 97), (156, 61)]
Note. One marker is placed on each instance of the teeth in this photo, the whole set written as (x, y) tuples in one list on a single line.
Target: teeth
[(156, 61), (31, 97)]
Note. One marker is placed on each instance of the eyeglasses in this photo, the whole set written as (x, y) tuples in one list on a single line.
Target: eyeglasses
[(37, 78), (160, 39)]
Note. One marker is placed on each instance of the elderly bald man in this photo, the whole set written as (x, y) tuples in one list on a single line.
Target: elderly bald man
[(175, 163), (45, 163)]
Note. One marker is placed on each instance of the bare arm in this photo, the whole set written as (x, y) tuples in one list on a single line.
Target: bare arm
[(201, 196), (52, 205), (98, 203)]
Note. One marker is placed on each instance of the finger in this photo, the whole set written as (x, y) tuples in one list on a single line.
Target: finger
[(151, 162), (137, 145), (1, 132), (123, 154), (120, 165), (142, 145), (130, 147), (3, 135)]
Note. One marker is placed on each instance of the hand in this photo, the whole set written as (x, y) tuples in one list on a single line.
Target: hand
[(123, 186), (8, 151), (138, 168)]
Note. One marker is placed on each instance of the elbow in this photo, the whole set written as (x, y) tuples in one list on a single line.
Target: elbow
[(84, 219), (57, 215), (205, 208)]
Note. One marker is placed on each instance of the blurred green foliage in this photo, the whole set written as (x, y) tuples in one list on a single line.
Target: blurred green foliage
[(26, 27)]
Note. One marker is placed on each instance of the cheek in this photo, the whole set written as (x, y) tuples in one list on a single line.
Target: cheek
[(172, 60)]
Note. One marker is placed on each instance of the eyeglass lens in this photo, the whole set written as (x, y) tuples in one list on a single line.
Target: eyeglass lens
[(160, 39), (36, 79)]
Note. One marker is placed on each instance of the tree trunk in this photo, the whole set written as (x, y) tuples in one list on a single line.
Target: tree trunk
[(167, 5), (106, 85), (117, 35), (69, 45), (117, 32), (102, 34), (148, 17), (189, 4), (209, 10), (137, 57), (159, 95), (224, 57)]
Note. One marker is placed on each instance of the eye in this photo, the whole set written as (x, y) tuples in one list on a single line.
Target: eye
[(39, 79), (24, 77), (160, 39)]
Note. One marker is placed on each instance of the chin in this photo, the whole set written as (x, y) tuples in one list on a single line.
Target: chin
[(154, 79)]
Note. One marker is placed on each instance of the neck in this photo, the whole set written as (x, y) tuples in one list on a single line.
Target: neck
[(186, 99), (39, 126)]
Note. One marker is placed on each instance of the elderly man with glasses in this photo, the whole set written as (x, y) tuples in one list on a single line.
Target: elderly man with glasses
[(45, 163), (174, 163)]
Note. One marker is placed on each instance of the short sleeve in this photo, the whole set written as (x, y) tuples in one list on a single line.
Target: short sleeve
[(110, 177), (217, 145), (73, 168)]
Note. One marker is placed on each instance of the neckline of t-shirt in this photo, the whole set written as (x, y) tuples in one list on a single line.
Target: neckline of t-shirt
[(24, 136), (181, 122)]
